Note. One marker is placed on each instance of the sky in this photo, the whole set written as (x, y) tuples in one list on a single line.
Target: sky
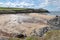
[(51, 5)]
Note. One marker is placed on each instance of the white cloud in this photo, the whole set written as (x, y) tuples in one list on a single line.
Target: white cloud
[(49, 4), (16, 4), (1, 3), (25, 3), (7, 4), (44, 4), (55, 3), (31, 4)]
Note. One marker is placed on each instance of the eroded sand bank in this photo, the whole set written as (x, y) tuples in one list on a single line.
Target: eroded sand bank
[(21, 23)]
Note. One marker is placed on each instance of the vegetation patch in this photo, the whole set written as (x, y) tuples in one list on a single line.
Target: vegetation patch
[(7, 10), (52, 35)]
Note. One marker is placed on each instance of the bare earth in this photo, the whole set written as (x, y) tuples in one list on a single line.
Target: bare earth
[(22, 23)]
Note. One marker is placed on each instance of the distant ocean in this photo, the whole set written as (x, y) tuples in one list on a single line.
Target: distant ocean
[(54, 13)]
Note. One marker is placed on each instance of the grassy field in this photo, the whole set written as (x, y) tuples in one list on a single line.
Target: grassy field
[(4, 10), (7, 8)]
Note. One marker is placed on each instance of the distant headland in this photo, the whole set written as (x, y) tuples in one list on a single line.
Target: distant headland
[(7, 10)]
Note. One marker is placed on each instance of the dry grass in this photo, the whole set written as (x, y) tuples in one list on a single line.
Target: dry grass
[(52, 35)]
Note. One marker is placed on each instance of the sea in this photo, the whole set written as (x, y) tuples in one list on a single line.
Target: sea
[(54, 13)]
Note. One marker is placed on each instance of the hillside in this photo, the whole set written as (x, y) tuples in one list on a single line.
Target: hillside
[(8, 10)]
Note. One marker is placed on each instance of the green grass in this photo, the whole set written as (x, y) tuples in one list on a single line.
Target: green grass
[(11, 10), (28, 38), (14, 39), (21, 10), (7, 8), (33, 38)]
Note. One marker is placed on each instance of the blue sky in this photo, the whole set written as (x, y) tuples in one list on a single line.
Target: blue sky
[(51, 5)]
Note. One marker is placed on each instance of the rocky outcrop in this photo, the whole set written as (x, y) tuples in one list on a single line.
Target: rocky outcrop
[(4, 38), (40, 32), (53, 24), (21, 36)]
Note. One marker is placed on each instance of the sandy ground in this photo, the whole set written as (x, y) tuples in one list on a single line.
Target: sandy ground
[(15, 23)]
